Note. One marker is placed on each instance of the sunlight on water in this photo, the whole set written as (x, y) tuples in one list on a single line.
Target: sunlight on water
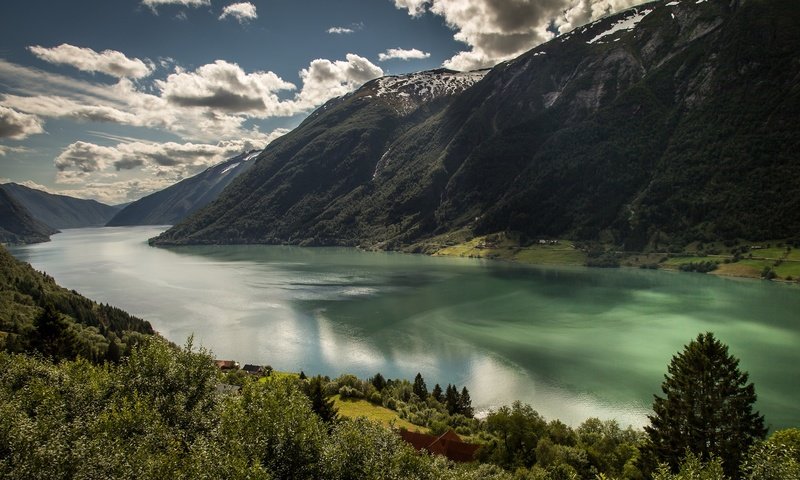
[(572, 342)]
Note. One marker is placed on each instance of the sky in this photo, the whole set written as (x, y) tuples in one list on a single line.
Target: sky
[(113, 100)]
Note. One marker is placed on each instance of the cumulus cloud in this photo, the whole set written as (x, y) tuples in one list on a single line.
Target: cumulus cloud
[(212, 102), (93, 169), (154, 4), (325, 79), (498, 30), (243, 12), (110, 62), (225, 86), (16, 125), (340, 30), (402, 54)]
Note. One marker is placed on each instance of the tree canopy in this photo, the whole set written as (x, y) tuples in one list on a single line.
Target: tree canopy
[(707, 408)]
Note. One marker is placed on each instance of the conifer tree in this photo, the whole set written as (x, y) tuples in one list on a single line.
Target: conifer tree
[(321, 405), (378, 382), (707, 409), (465, 403), (437, 393), (420, 389), (451, 399)]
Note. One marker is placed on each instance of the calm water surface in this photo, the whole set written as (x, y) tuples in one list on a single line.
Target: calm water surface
[(572, 342)]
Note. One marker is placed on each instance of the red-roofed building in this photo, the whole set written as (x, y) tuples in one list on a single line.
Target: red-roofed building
[(448, 444)]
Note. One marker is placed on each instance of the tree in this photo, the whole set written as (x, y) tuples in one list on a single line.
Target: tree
[(437, 393), (465, 403), (451, 399), (420, 389), (378, 382), (707, 409), (321, 405)]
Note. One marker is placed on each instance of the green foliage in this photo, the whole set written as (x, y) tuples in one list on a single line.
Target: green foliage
[(420, 389), (38, 315), (772, 460), (692, 468), (700, 267), (707, 409), (320, 404)]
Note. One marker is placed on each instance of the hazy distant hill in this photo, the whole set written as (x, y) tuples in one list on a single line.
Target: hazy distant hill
[(17, 225), (667, 123), (60, 211), (174, 203)]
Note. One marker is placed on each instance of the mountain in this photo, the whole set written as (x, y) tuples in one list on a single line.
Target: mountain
[(17, 225), (75, 326), (60, 211), (174, 203), (668, 123)]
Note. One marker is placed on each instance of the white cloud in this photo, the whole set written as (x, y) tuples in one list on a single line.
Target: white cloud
[(325, 79), (92, 168), (154, 4), (339, 30), (243, 12), (110, 62), (415, 7), (212, 102), (5, 150), (498, 30), (16, 125), (402, 54), (226, 87)]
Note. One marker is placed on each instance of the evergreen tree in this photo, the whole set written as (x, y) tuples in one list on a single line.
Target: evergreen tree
[(321, 405), (707, 409), (451, 399), (378, 382), (465, 403), (420, 389), (302, 375), (437, 393)]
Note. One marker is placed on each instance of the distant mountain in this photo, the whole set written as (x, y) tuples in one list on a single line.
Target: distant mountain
[(668, 123), (60, 211), (17, 225), (174, 203)]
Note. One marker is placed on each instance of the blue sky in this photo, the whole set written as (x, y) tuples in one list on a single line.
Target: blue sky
[(116, 99)]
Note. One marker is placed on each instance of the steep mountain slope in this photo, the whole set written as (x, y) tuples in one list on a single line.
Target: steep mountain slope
[(17, 225), (60, 211), (174, 203), (668, 123)]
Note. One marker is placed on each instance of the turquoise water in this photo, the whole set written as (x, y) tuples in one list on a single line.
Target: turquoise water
[(572, 342)]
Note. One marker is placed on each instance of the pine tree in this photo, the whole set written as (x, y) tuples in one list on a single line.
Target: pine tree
[(437, 393), (321, 405), (465, 403), (707, 409), (420, 389), (378, 382), (451, 399)]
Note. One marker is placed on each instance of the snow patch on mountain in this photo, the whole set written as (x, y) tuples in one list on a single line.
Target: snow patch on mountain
[(410, 91), (627, 23)]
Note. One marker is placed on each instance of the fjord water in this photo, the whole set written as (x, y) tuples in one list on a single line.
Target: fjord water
[(572, 342)]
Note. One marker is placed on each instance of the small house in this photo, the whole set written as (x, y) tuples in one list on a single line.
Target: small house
[(227, 364)]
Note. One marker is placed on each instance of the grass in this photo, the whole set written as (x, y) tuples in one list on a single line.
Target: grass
[(502, 247), (354, 408)]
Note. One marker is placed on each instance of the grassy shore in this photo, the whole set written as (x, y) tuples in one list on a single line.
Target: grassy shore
[(354, 408), (743, 259)]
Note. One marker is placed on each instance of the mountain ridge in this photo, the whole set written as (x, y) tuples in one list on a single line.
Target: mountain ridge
[(639, 129), (172, 204), (60, 211)]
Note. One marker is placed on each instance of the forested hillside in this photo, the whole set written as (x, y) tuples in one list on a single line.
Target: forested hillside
[(38, 315), (668, 123)]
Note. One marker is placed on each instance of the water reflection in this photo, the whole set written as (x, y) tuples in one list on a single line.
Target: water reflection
[(572, 342)]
